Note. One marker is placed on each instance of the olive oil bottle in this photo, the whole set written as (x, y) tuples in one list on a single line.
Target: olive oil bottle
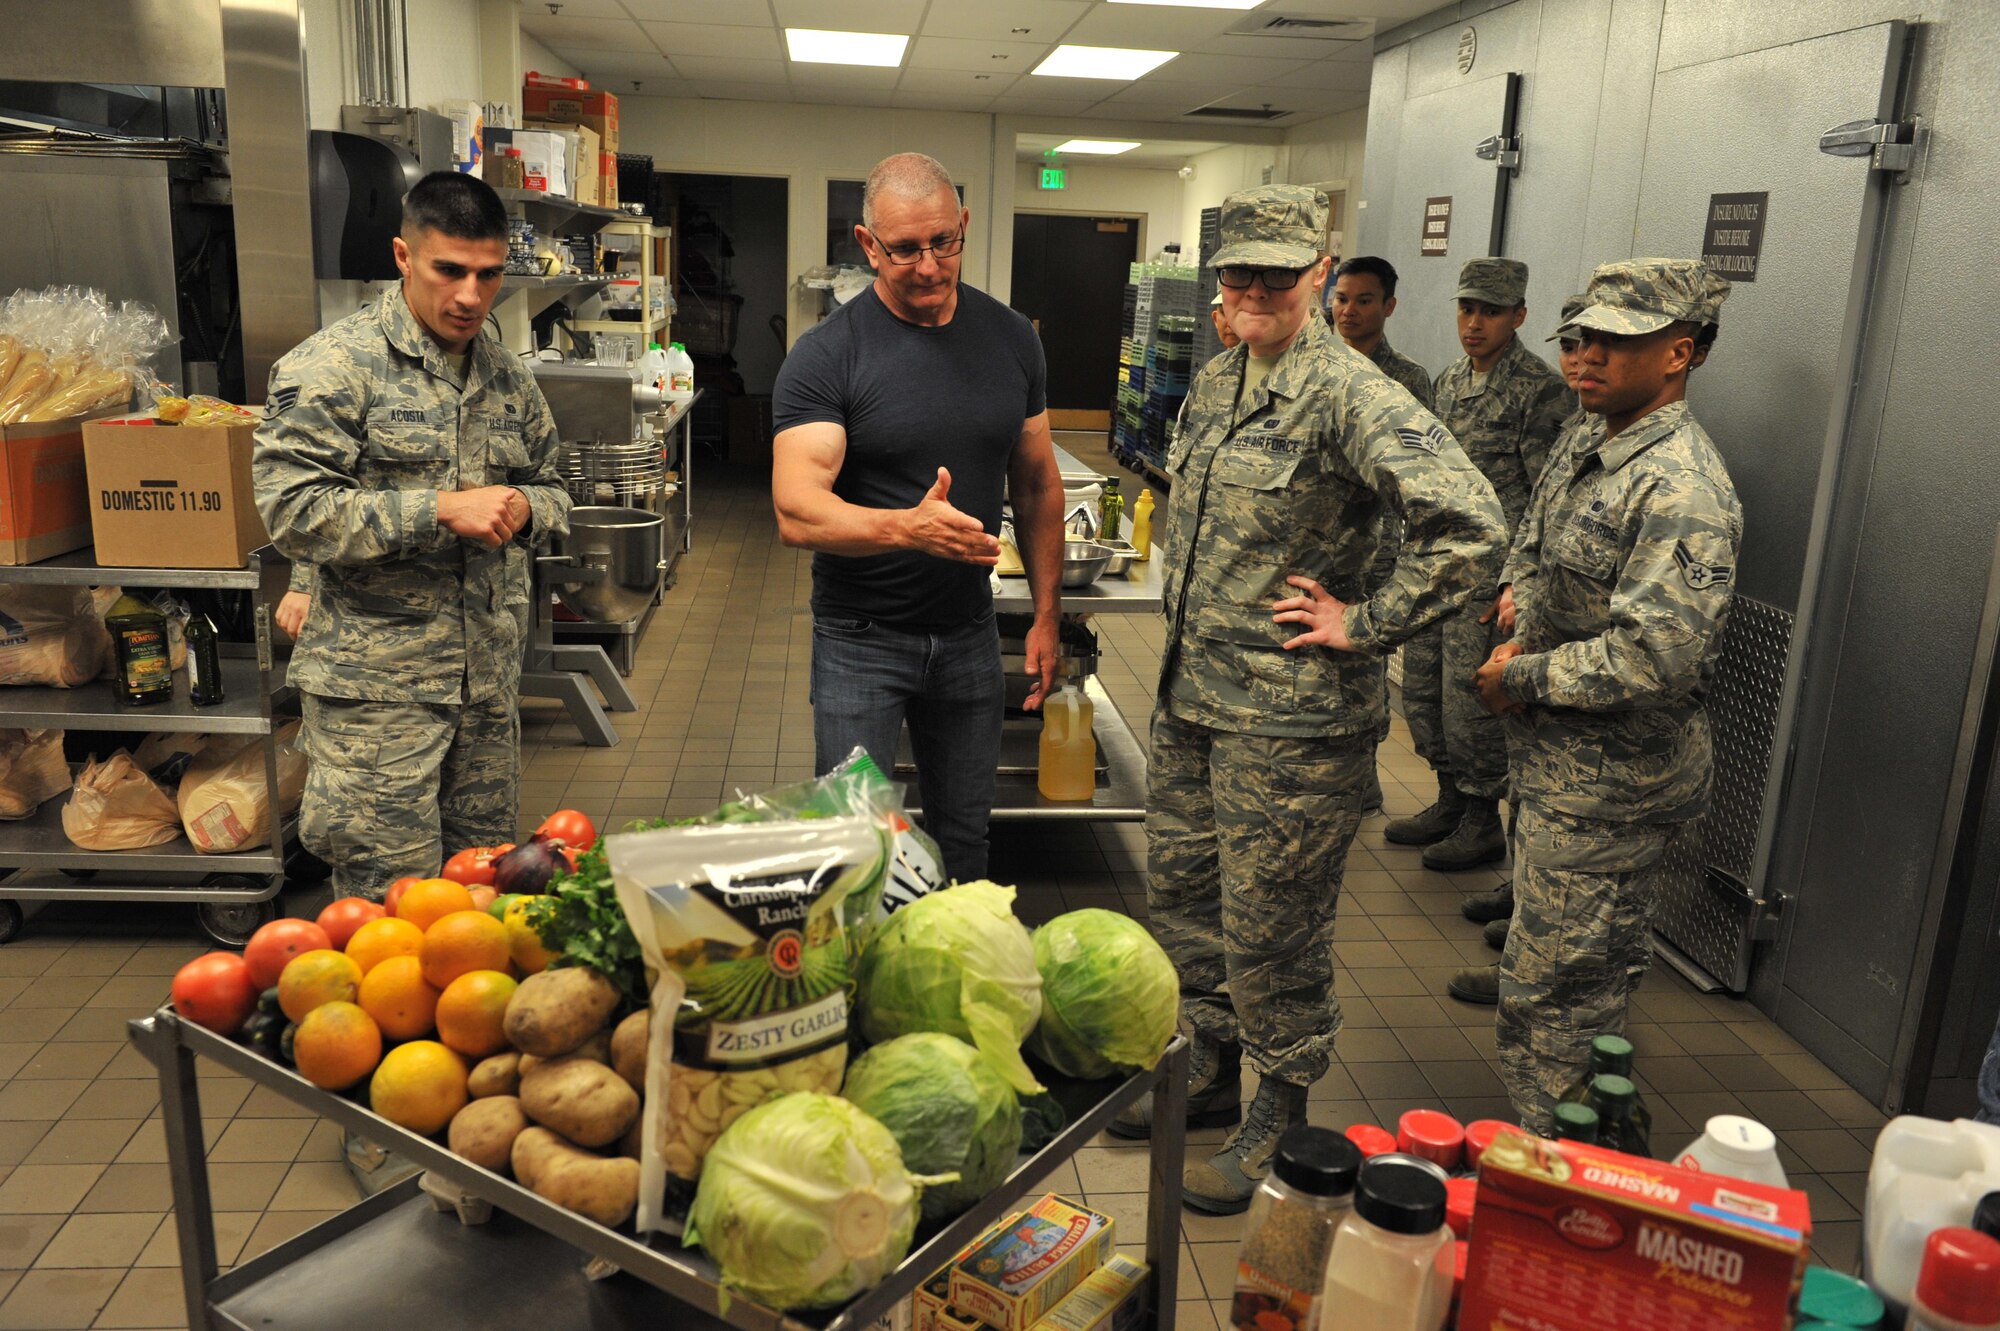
[(139, 637), (204, 659)]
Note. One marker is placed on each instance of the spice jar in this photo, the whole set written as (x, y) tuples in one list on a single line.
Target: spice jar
[(1290, 1228)]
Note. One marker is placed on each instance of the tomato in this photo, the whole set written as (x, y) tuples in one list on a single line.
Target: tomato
[(277, 943), (215, 991), (395, 893), (344, 916), (571, 827), (572, 854), (473, 866)]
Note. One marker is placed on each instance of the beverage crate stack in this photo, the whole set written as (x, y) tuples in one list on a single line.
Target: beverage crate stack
[(1207, 345), (1130, 393), (1155, 361)]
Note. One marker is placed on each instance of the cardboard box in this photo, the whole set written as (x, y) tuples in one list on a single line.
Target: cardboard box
[(932, 1300), (536, 79), (44, 498), (1111, 1298), (165, 496), (1016, 1275), (468, 132), (544, 158), (607, 170), (580, 157), (1578, 1238), (597, 110)]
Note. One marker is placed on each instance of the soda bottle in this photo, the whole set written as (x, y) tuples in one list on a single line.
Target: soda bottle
[(1110, 510), (1612, 1097), (139, 637), (1611, 1054)]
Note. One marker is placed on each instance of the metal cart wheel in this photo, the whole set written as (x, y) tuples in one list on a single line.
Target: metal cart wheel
[(231, 923), (11, 921)]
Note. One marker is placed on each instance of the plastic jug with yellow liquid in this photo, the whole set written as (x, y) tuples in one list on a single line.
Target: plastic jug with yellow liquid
[(1068, 769)]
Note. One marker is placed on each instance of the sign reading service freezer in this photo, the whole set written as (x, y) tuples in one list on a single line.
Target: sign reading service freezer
[(1437, 227), (1733, 236)]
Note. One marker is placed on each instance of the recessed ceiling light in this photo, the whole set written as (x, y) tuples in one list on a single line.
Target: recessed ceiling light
[(817, 46), (1196, 4), (1101, 62), (1096, 147)]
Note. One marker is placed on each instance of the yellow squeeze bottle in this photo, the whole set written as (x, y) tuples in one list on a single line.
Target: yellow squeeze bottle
[(1142, 525), (1068, 769)]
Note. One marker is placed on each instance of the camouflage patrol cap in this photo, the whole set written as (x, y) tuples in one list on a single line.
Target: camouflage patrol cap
[(1502, 282), (1571, 308), (1272, 226), (1636, 296)]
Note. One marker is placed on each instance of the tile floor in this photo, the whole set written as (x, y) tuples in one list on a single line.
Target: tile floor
[(85, 1233)]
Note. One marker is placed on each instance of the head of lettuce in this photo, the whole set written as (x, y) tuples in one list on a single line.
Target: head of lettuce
[(1110, 998), (956, 962), (950, 1110)]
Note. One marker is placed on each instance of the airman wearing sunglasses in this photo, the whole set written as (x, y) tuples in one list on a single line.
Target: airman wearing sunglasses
[(1290, 449)]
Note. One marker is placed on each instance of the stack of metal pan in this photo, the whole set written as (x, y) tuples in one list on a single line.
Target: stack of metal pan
[(628, 475)]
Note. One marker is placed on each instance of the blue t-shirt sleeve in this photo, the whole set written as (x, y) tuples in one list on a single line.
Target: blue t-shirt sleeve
[(811, 387)]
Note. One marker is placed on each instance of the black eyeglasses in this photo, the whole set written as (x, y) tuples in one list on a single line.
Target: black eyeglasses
[(942, 247), (1274, 279)]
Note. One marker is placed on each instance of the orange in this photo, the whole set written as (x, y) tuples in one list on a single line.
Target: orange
[(465, 940), (316, 977), (427, 902), (402, 1002), (524, 945), (336, 1045), (419, 1086), (378, 940), (471, 1013)]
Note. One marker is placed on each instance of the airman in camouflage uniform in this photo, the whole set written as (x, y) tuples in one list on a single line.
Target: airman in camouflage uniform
[(1622, 577), (1263, 738), (410, 657), (1505, 419)]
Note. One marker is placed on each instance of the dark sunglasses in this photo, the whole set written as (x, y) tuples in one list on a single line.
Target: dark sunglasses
[(1274, 279)]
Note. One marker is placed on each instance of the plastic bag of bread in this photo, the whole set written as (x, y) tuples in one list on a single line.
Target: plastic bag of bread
[(70, 351), (50, 637), (225, 804), (31, 770), (166, 755), (116, 806)]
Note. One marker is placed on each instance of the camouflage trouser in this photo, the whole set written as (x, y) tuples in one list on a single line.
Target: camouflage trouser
[(393, 784), (1581, 940), (1246, 839), (1448, 727), (1989, 1082)]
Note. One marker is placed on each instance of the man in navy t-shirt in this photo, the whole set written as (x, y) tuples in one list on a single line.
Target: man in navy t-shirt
[(902, 419)]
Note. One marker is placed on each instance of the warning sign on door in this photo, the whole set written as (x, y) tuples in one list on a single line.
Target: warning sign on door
[(1437, 226), (1733, 236)]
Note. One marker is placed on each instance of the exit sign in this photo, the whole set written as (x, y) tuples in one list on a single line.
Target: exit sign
[(1055, 177)]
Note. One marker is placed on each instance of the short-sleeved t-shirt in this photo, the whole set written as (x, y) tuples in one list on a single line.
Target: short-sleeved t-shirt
[(913, 399)]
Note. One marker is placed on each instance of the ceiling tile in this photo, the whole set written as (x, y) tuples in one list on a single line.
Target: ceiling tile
[(1014, 104), (804, 75), (976, 56), (1153, 27), (850, 15), (1046, 20), (743, 13), (574, 9), (601, 34), (1279, 48), (844, 96), (957, 82), (743, 92), (600, 66), (711, 69), (1235, 69), (1181, 95), (660, 87), (715, 39), (938, 101)]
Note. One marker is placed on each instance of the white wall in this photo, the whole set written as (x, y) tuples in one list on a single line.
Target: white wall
[(1327, 149), (1218, 174), (1103, 189), (810, 145), (535, 56), (443, 37)]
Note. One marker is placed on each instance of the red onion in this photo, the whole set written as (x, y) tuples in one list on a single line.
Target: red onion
[(528, 867)]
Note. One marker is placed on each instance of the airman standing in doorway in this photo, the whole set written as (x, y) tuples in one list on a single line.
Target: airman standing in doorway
[(1505, 406)]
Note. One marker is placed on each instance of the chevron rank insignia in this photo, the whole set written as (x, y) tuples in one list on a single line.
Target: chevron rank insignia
[(1431, 439), (1698, 575), (281, 401)]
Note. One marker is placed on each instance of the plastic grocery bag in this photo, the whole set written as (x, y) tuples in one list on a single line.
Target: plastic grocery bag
[(744, 936), (115, 806), (225, 804), (50, 637), (166, 755), (31, 770)]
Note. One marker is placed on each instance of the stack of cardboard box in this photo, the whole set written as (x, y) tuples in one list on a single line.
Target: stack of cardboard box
[(589, 122)]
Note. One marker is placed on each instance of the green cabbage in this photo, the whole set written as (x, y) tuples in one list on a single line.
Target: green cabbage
[(1110, 997), (804, 1202), (959, 963), (949, 1109)]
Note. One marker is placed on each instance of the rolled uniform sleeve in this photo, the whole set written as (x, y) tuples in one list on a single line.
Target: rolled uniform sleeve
[(1454, 534), (306, 468), (541, 483), (1670, 598)]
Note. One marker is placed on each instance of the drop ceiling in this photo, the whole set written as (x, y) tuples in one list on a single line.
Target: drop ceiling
[(1153, 154), (974, 55)]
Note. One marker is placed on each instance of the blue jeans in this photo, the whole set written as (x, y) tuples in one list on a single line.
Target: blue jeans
[(868, 679)]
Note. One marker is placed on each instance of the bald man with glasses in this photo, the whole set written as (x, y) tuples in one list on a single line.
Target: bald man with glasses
[(902, 418)]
